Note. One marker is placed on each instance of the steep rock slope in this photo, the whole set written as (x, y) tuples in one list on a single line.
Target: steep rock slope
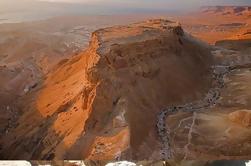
[(103, 103)]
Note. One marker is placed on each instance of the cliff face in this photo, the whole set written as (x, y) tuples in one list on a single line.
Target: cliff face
[(103, 103)]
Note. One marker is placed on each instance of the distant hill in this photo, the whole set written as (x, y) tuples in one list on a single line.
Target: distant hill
[(227, 10)]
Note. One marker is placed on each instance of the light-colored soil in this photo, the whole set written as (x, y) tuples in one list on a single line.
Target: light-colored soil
[(210, 134)]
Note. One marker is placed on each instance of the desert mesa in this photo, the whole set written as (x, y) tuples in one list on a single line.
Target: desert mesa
[(157, 89)]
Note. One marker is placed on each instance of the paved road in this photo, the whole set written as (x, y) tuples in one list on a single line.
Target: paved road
[(208, 101)]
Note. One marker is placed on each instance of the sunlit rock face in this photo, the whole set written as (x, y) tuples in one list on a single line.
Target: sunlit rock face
[(121, 163), (95, 106), (248, 163), (15, 163), (242, 117)]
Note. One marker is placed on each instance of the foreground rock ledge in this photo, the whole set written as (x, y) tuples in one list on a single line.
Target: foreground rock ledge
[(103, 104)]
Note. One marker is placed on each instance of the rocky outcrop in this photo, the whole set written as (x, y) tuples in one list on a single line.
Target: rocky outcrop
[(242, 117), (142, 68), (103, 103)]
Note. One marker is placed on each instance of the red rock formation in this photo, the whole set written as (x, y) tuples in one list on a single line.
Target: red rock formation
[(242, 117), (103, 103)]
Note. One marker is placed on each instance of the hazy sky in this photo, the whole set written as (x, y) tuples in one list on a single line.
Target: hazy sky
[(154, 4), (159, 3), (26, 9), (29, 10)]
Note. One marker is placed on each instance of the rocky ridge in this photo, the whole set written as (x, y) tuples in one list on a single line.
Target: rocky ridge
[(96, 105), (228, 10)]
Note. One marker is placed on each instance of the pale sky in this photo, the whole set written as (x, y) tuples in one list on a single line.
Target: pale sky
[(178, 2), (161, 4), (155, 4), (107, 6)]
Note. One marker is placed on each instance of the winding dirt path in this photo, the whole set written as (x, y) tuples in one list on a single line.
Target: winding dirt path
[(208, 101)]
